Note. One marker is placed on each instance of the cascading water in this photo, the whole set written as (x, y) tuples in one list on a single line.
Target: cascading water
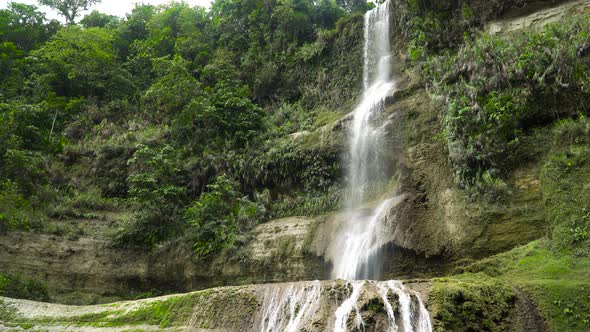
[(414, 316), (357, 244), (345, 309), (310, 306), (288, 307), (355, 248)]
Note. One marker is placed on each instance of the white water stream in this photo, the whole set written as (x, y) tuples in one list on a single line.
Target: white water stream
[(414, 316), (354, 251), (360, 238), (346, 308), (308, 306), (288, 308)]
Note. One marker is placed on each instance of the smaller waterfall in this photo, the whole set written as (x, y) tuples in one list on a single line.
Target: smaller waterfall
[(345, 309), (412, 318), (315, 305), (289, 307), (409, 315)]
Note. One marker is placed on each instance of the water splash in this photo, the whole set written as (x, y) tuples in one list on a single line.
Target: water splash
[(358, 243)]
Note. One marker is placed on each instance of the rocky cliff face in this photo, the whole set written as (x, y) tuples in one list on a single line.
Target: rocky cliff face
[(86, 270)]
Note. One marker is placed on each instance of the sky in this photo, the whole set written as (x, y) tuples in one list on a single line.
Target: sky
[(113, 7)]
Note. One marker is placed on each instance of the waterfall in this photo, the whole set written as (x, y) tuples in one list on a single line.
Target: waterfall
[(355, 249), (414, 316), (366, 135), (288, 307), (345, 309), (310, 306)]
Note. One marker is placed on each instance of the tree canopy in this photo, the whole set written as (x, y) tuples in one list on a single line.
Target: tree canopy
[(69, 9), (149, 108)]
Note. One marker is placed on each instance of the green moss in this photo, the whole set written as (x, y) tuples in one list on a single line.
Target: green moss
[(173, 311), (7, 313), (557, 281), (471, 302), (286, 247), (564, 303), (375, 305), (566, 176), (205, 309)]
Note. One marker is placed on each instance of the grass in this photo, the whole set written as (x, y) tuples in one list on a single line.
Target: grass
[(471, 302), (481, 296), (558, 281)]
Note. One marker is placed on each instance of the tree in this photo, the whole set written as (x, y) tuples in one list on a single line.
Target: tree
[(154, 186), (13, 207), (135, 26), (233, 116), (25, 26), (70, 9), (97, 19), (24, 135), (9, 70), (218, 216), (173, 90), (354, 5), (81, 62)]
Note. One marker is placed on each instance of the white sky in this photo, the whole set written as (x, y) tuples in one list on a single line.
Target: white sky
[(113, 7)]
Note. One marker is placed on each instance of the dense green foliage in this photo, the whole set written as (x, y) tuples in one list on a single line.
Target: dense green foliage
[(18, 286), (145, 112), (500, 87), (219, 215), (13, 207)]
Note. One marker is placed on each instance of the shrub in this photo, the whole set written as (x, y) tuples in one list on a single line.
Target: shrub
[(21, 287), (159, 200), (80, 204), (218, 216), (13, 207)]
